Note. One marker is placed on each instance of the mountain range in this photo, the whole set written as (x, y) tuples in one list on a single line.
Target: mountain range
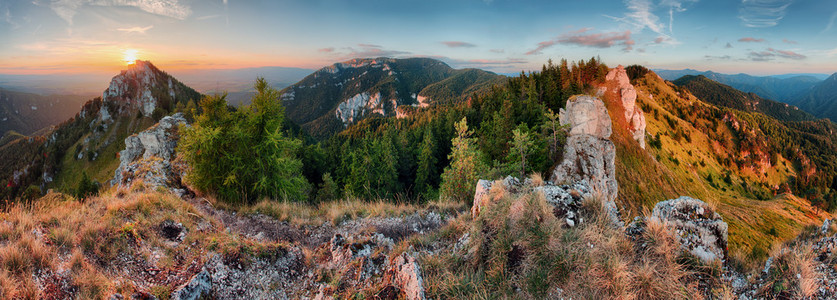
[(342, 94), (809, 92)]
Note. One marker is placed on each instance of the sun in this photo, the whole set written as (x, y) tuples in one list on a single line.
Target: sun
[(129, 56)]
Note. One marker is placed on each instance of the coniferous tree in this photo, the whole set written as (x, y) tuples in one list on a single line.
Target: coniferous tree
[(426, 172), (460, 177)]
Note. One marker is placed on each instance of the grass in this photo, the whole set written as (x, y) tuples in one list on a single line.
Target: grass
[(518, 248)]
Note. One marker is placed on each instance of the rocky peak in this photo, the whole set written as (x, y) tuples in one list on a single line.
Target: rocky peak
[(142, 87), (617, 79)]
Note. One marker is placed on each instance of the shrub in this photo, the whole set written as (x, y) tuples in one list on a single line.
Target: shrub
[(244, 155)]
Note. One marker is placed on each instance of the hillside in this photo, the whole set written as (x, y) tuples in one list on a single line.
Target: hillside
[(719, 94), (27, 113), (88, 142), (779, 88), (821, 100), (342, 94)]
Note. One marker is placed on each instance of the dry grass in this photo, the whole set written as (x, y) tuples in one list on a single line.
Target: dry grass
[(518, 248), (793, 274)]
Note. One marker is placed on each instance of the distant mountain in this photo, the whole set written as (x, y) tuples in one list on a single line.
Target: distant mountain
[(719, 94), (821, 100), (342, 94), (784, 88), (26, 113)]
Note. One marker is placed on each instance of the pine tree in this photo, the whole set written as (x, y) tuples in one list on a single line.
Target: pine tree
[(521, 147), (460, 177), (426, 172)]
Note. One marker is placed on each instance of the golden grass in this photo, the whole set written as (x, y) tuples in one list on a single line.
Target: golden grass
[(593, 260), (793, 274)]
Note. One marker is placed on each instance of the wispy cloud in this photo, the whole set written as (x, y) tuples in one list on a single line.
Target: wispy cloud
[(641, 14), (771, 54), (370, 51), (594, 40), (458, 44), (136, 29), (67, 9), (728, 46), (787, 41), (762, 13), (713, 57), (326, 50), (830, 23), (750, 40), (497, 51)]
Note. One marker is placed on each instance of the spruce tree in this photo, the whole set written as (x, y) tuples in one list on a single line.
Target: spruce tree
[(460, 177), (426, 172)]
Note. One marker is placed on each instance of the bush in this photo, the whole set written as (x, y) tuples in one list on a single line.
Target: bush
[(244, 155), (86, 187)]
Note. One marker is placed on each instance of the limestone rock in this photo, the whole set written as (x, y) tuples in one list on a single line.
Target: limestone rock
[(700, 230), (199, 286), (589, 156), (591, 160), (566, 200), (586, 115), (405, 274), (148, 155), (480, 197), (634, 117)]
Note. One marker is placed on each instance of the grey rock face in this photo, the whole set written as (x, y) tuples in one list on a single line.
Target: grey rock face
[(586, 115), (700, 230), (589, 155), (480, 197), (566, 200), (148, 155)]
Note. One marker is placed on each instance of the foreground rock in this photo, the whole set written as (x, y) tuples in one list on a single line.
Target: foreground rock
[(618, 79), (700, 230), (589, 155), (149, 155), (565, 199)]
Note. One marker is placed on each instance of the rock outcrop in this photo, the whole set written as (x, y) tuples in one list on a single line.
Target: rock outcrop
[(142, 88), (405, 274), (149, 155), (589, 155), (700, 230), (634, 117), (565, 199)]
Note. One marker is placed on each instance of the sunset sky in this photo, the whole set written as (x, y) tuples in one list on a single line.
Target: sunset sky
[(92, 36)]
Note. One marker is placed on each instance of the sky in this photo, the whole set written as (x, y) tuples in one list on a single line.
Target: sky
[(759, 37)]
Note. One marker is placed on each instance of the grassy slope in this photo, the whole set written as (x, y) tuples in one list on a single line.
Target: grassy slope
[(102, 168), (681, 166)]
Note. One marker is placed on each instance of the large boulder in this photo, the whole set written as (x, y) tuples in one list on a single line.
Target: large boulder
[(149, 155), (565, 200), (700, 230), (589, 155), (617, 78), (586, 115)]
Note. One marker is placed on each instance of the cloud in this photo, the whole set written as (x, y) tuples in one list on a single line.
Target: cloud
[(326, 50), (371, 51), (458, 44), (594, 40), (762, 13), (830, 22), (750, 40), (787, 41), (728, 46), (67, 9), (497, 51), (661, 39), (771, 53), (136, 29), (641, 15), (713, 57)]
